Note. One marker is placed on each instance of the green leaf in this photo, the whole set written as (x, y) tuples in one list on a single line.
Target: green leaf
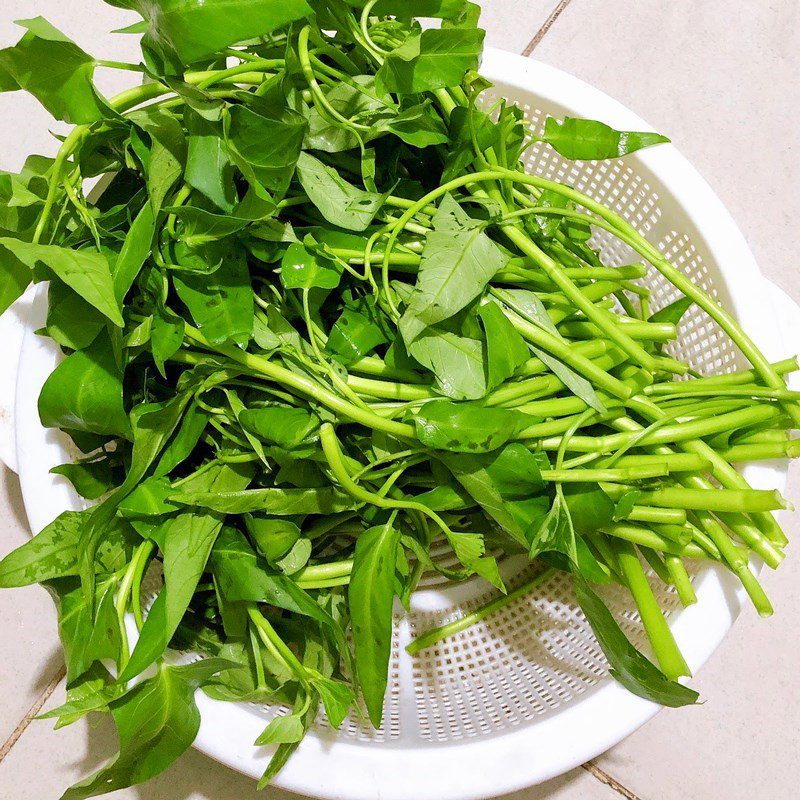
[(53, 552), (183, 442), (628, 666), (164, 161), (157, 721), (166, 336), (529, 306), (285, 426), (296, 558), (135, 250), (87, 637), (265, 146), (625, 504), (338, 201), (15, 277), (466, 427), (91, 479), (55, 71), (590, 507), (199, 227), (336, 696), (280, 502), (197, 28), (282, 730), (71, 321), (457, 362), (354, 335), (301, 269), (84, 393), (274, 538), (243, 576), (358, 101), (371, 596), (515, 471), (221, 304), (589, 140), (556, 532), (187, 546), (208, 166), (674, 311), (432, 59), (87, 273), (149, 499), (505, 348), (458, 260), (443, 9)]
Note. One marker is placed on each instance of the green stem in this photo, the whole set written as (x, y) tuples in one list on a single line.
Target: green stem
[(680, 580), (665, 648), (305, 386), (435, 635)]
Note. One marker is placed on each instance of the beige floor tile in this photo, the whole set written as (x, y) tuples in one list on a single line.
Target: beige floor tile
[(721, 80), (74, 752), (28, 636), (511, 24)]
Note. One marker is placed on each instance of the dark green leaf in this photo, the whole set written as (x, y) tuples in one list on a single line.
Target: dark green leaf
[(221, 304), (466, 427), (371, 596), (84, 393), (505, 348), (86, 272), (208, 166), (628, 666), (194, 28), (91, 479), (265, 148), (280, 502), (71, 321), (673, 312), (432, 59)]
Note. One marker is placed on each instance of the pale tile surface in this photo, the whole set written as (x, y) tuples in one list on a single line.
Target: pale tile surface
[(511, 24), (721, 80), (28, 635)]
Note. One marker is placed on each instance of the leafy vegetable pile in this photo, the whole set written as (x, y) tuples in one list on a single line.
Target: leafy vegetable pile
[(320, 319)]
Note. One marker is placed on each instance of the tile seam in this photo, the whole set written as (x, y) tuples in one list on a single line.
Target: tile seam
[(548, 23), (32, 712), (601, 775)]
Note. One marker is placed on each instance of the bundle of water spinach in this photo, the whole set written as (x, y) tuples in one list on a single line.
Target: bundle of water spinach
[(320, 322)]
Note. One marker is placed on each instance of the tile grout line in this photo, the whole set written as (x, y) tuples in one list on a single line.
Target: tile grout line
[(32, 712), (612, 783), (596, 772), (548, 23)]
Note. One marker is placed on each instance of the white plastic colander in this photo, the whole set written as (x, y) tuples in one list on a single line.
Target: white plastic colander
[(523, 696)]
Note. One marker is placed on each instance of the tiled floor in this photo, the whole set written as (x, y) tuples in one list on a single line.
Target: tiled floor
[(723, 81)]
